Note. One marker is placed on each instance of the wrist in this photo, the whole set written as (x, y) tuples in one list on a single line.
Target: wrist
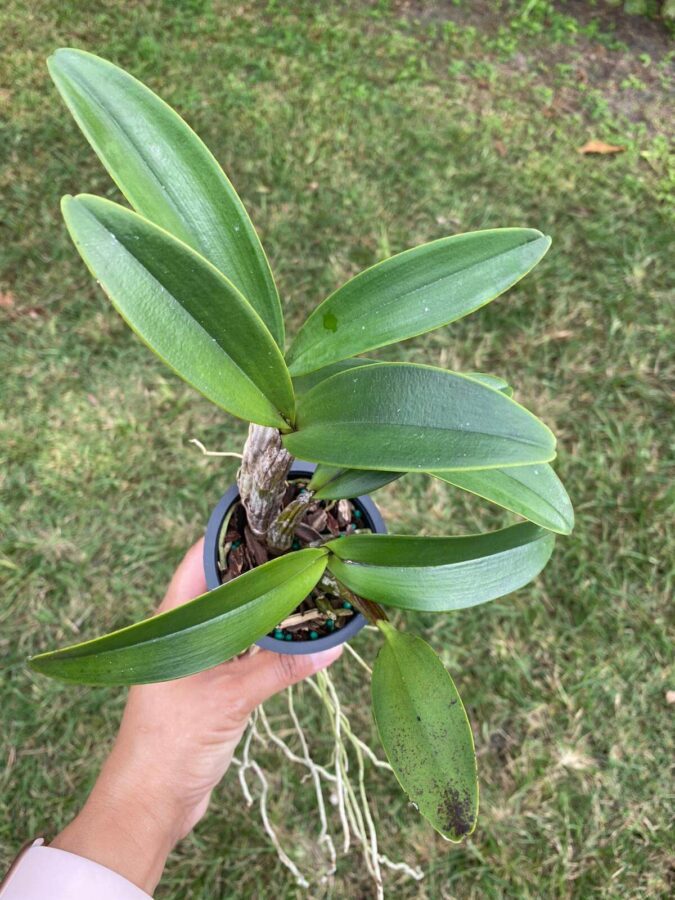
[(122, 830)]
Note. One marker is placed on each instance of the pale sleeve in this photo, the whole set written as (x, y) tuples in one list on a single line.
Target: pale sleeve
[(45, 873)]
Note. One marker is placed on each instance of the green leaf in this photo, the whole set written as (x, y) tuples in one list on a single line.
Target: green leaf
[(329, 483), (493, 381), (166, 172), (403, 417), (415, 292), (439, 574), (335, 484), (184, 309), (200, 634), (304, 383), (534, 492), (425, 732)]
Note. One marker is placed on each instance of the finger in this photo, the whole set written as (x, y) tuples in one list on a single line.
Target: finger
[(188, 580), (263, 674)]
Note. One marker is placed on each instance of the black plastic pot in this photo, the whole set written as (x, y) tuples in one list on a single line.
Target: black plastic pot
[(371, 518)]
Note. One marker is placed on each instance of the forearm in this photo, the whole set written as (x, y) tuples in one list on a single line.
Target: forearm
[(121, 826)]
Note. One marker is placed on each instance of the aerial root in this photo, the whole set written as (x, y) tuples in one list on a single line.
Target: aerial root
[(214, 452)]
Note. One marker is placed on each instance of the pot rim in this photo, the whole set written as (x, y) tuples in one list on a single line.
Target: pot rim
[(294, 648)]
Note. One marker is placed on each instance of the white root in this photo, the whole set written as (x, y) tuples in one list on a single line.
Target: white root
[(324, 836), (286, 750), (244, 765), (360, 660), (347, 790), (358, 814), (214, 452)]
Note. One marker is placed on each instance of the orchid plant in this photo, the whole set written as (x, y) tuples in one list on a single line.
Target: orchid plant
[(186, 270)]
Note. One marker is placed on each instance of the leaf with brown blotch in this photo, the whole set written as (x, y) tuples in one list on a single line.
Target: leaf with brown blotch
[(425, 732)]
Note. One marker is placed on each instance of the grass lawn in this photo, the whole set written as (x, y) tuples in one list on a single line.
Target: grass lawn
[(353, 131)]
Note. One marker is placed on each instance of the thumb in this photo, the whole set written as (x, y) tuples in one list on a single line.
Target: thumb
[(266, 673), (188, 580)]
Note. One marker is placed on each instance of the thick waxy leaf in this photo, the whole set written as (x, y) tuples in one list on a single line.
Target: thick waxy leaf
[(402, 417), (425, 732), (196, 636), (335, 484), (492, 381), (415, 292), (166, 173), (184, 309), (304, 383), (329, 483), (534, 492), (439, 574)]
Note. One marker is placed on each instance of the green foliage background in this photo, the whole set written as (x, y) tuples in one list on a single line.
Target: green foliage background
[(352, 131)]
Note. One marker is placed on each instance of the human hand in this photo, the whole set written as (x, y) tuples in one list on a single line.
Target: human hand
[(175, 743)]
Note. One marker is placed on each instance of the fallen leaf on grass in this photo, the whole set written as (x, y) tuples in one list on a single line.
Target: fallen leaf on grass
[(600, 147), (6, 300)]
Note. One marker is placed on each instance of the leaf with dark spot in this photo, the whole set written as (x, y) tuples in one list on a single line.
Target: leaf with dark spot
[(456, 811), (425, 732)]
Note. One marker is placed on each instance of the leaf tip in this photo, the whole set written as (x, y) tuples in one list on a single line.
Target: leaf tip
[(458, 813), (69, 209), (39, 662), (567, 521), (570, 522), (542, 242), (58, 61)]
